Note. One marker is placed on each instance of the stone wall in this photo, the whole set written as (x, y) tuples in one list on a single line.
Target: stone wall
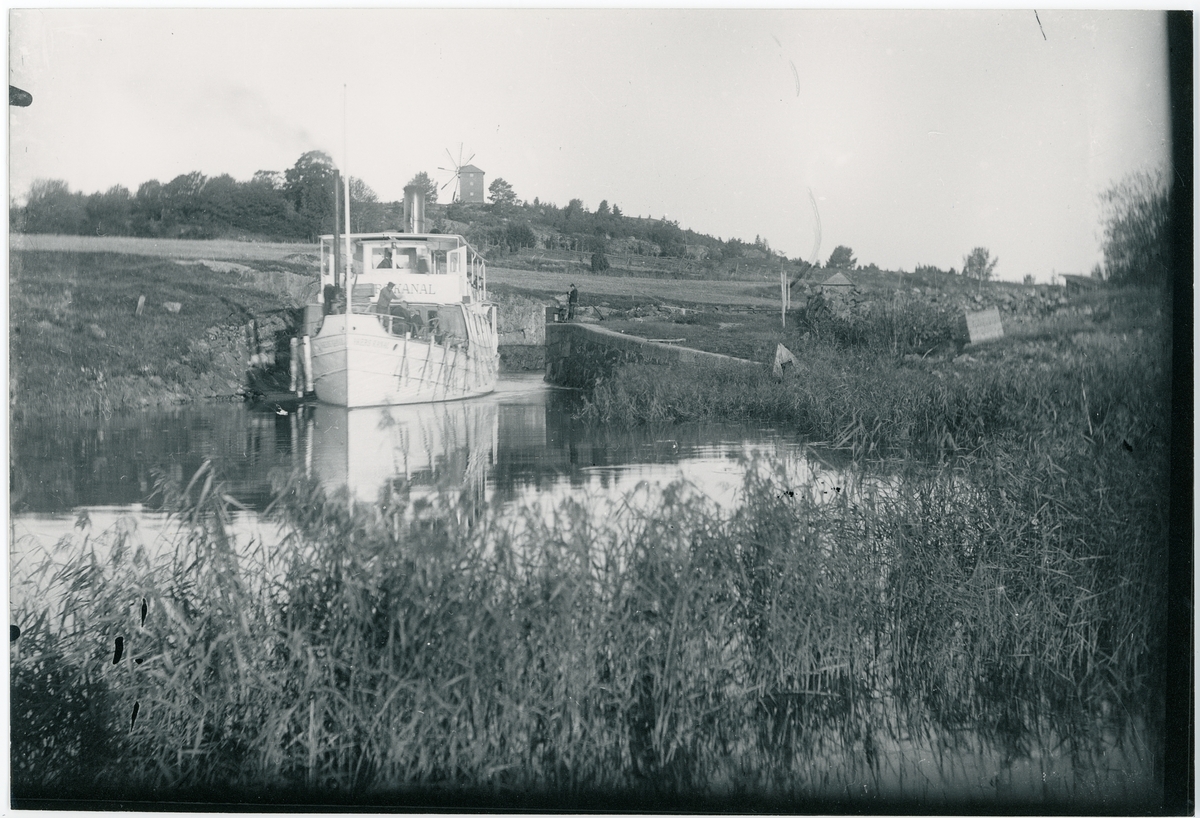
[(522, 334), (580, 354), (522, 324)]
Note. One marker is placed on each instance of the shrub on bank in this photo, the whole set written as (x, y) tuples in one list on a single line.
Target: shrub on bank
[(900, 325)]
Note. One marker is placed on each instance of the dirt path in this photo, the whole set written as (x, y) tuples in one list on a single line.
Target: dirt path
[(652, 289)]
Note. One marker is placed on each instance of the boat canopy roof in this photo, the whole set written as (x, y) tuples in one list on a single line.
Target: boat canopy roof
[(438, 239)]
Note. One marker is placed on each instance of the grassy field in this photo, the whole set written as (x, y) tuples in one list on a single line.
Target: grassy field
[(305, 256), (219, 249), (595, 288)]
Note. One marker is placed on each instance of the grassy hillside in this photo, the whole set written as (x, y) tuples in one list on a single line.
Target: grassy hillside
[(76, 345)]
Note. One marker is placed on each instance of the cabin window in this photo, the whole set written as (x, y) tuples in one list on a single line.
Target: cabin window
[(382, 258)]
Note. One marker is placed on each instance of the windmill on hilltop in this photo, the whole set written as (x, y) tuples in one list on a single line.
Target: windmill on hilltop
[(467, 179)]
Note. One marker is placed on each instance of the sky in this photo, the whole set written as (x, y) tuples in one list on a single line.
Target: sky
[(909, 136)]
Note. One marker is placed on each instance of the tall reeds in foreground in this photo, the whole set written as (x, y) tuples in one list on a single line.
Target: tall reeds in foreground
[(801, 649)]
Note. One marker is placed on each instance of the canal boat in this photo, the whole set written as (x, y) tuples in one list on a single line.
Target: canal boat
[(418, 326)]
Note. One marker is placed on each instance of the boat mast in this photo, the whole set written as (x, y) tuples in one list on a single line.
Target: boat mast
[(337, 231), (349, 255)]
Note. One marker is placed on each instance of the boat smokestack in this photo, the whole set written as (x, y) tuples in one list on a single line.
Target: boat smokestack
[(414, 209)]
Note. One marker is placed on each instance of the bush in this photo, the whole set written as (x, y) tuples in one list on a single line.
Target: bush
[(599, 262), (1135, 229), (901, 326), (518, 236)]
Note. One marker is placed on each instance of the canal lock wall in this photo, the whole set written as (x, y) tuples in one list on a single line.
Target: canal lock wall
[(522, 335), (579, 355)]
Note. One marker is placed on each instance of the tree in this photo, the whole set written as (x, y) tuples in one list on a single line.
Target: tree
[(599, 261), (262, 208), (272, 179), (501, 193), (148, 209), (218, 200), (602, 208), (308, 185), (108, 213), (520, 235), (979, 264), (423, 181), (1136, 242), (842, 258), (52, 208), (616, 211), (366, 213)]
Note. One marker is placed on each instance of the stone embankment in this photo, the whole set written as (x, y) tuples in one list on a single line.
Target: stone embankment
[(293, 287), (522, 334)]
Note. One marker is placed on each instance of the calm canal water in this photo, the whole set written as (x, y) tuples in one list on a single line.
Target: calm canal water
[(517, 447)]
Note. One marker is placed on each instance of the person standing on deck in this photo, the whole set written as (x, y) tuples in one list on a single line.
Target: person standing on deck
[(572, 302), (384, 305)]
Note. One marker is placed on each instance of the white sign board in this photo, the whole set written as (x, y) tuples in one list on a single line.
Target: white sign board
[(984, 326)]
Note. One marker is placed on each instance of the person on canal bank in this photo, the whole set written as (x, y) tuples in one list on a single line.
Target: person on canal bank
[(572, 302)]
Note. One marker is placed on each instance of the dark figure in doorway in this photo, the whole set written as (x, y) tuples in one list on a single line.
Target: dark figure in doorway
[(335, 300)]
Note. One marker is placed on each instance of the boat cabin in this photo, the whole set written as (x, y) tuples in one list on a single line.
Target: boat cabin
[(431, 268)]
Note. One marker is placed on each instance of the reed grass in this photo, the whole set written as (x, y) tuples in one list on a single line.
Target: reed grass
[(782, 653), (869, 403)]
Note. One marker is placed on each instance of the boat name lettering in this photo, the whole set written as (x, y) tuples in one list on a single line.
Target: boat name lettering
[(417, 289), (371, 342)]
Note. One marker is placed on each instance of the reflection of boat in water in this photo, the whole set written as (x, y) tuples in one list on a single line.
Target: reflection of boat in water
[(419, 327), (420, 448)]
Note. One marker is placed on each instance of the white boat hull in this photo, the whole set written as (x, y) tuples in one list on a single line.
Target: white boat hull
[(367, 366)]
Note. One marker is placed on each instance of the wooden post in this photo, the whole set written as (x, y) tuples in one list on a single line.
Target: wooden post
[(141, 305), (308, 376), (783, 294), (294, 367)]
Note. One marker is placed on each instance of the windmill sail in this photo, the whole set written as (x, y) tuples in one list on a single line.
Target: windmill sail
[(456, 171)]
